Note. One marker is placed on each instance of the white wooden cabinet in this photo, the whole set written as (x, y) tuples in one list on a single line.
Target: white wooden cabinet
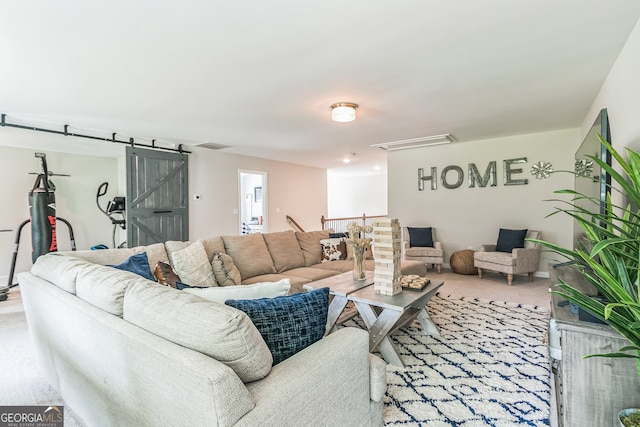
[(590, 392)]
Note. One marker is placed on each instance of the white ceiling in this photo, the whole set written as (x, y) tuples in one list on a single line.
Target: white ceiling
[(259, 76)]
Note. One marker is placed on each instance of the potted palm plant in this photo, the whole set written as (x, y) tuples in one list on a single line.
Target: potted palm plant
[(609, 257)]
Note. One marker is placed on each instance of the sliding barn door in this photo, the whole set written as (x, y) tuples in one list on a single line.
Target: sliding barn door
[(157, 203)]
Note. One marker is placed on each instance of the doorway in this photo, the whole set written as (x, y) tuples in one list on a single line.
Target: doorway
[(252, 201)]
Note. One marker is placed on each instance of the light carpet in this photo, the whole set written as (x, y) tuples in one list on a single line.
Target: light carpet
[(489, 367)]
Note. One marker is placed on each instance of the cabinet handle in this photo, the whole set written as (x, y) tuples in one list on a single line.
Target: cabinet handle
[(169, 211)]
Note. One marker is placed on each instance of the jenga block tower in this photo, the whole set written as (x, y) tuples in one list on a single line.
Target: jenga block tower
[(388, 251)]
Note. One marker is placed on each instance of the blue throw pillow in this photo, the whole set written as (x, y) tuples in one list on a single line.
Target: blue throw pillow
[(182, 286), (289, 323), (420, 237), (508, 240), (139, 264)]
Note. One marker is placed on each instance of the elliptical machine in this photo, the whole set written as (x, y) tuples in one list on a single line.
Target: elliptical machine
[(114, 207), (42, 210)]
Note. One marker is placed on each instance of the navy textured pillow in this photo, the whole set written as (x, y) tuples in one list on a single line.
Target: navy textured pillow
[(289, 323), (139, 264), (510, 239), (420, 237)]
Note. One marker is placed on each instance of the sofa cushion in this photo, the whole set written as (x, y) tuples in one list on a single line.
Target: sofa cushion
[(137, 264), (220, 294), (333, 249), (224, 270), (219, 331), (288, 324), (211, 246), (104, 286), (250, 254), (155, 253), (296, 282), (508, 240), (284, 249), (193, 266), (420, 237), (61, 270), (309, 242), (312, 273)]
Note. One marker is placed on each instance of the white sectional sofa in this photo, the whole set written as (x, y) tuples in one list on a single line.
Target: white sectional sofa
[(125, 351)]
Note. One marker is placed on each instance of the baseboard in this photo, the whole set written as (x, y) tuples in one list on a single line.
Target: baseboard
[(541, 274)]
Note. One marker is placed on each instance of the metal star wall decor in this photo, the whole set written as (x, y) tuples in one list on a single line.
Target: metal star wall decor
[(541, 170), (584, 167)]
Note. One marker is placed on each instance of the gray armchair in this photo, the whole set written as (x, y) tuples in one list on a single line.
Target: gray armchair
[(428, 255), (519, 260)]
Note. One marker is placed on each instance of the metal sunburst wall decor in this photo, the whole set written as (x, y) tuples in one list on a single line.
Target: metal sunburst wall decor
[(584, 167), (541, 170)]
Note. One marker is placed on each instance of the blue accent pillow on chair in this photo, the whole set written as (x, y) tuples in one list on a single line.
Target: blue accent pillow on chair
[(139, 264), (420, 237), (508, 240), (289, 323)]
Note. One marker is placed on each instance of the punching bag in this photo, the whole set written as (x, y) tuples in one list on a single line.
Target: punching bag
[(42, 208)]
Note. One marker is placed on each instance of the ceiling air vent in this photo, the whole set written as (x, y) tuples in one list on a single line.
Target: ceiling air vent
[(212, 146), (416, 142)]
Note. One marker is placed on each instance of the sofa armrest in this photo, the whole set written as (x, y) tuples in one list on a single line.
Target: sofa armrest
[(488, 248), (325, 384), (438, 245), (526, 259), (377, 377)]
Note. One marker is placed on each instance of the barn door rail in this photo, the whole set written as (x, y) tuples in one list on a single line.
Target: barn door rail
[(131, 142)]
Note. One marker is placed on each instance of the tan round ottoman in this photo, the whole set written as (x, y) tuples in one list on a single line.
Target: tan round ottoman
[(461, 262)]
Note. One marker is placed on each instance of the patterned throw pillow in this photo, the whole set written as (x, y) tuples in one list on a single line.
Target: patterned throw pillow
[(224, 270), (193, 266), (288, 324), (165, 274), (333, 249)]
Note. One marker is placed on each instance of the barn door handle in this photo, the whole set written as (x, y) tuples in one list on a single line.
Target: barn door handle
[(162, 211)]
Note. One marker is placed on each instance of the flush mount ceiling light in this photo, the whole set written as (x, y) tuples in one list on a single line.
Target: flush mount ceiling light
[(343, 112), (416, 142)]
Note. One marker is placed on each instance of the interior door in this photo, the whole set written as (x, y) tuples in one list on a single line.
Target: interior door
[(157, 203)]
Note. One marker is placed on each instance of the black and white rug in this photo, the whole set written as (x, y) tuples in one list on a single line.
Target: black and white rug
[(489, 367)]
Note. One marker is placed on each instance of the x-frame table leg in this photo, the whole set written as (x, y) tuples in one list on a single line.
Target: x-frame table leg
[(379, 328)]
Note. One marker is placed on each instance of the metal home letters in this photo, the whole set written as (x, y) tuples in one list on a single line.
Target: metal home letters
[(452, 176)]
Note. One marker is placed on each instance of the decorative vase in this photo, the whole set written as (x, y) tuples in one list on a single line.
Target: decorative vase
[(358, 263)]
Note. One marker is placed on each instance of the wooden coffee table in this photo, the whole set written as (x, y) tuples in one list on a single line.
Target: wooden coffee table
[(340, 286), (382, 314), (385, 314)]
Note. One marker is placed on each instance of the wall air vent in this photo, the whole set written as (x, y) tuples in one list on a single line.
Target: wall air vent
[(212, 146), (416, 142)]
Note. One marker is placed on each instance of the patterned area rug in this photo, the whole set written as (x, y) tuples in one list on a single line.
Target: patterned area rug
[(489, 367)]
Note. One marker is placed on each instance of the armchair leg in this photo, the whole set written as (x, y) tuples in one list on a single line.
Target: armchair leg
[(479, 272), (439, 268), (531, 276), (509, 279)]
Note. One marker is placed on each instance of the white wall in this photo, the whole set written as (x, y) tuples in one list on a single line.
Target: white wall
[(298, 191), (353, 195), (75, 200), (468, 217), (620, 95)]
